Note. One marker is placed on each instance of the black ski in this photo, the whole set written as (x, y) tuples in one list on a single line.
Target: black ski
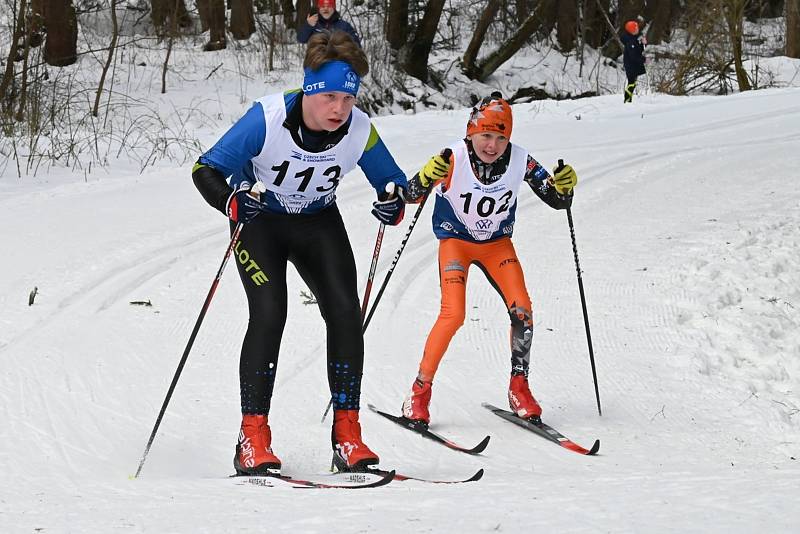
[(369, 478), (372, 479), (543, 430), (422, 429), (397, 476)]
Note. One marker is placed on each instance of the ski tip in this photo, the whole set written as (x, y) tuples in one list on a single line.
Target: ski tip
[(491, 407), (375, 409), (390, 475), (480, 447), (477, 476), (594, 449)]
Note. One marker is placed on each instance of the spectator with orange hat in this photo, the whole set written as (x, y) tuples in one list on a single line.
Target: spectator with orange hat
[(476, 182), (633, 56), (325, 18)]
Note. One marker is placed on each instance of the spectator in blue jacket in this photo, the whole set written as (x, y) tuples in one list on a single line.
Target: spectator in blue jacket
[(325, 19), (633, 56)]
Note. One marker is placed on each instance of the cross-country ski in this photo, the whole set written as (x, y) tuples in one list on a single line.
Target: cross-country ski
[(423, 430), (543, 430)]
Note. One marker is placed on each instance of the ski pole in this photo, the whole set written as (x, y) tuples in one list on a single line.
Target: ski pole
[(371, 276), (375, 253), (258, 188), (446, 154), (394, 264), (583, 298)]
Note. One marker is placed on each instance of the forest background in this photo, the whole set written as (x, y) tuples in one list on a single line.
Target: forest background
[(86, 82)]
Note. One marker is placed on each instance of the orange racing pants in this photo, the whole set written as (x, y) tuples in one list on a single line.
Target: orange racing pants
[(498, 261)]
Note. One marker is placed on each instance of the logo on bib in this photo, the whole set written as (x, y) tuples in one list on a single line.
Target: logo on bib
[(312, 158)]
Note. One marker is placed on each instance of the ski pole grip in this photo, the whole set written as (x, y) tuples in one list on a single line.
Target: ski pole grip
[(560, 164), (446, 154), (257, 189), (389, 190)]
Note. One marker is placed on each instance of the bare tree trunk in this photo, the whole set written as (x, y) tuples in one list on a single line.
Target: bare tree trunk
[(161, 11), (212, 17), (478, 36), (6, 96), (287, 8), (793, 28), (581, 33), (112, 48), (303, 9), (243, 23), (23, 91), (759, 9), (396, 27), (660, 15), (35, 24), (734, 16), (603, 10), (273, 29), (61, 45), (593, 23), (547, 14), (204, 14), (173, 31), (419, 49), (523, 10), (775, 8), (491, 63), (567, 28)]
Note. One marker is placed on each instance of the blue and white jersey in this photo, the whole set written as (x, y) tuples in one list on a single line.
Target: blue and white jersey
[(260, 148), (470, 210)]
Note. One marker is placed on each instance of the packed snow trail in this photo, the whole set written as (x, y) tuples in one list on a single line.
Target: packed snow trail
[(686, 221)]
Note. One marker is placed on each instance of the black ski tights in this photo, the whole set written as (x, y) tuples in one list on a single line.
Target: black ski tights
[(319, 248)]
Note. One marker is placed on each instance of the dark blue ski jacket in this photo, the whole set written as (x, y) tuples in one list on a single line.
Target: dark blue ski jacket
[(334, 23), (633, 56)]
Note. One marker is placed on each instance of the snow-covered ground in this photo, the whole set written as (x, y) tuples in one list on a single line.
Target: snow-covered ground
[(687, 218)]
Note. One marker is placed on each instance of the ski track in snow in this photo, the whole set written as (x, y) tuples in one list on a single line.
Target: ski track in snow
[(686, 226)]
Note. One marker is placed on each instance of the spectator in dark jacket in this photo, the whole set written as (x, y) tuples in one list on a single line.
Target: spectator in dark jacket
[(327, 19), (633, 56)]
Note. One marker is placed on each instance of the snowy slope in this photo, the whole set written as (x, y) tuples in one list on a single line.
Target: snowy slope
[(686, 217)]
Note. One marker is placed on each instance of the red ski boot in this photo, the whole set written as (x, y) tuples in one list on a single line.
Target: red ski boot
[(415, 406), (254, 449), (521, 400), (349, 451)]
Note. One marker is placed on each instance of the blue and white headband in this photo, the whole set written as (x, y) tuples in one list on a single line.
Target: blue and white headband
[(331, 76)]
